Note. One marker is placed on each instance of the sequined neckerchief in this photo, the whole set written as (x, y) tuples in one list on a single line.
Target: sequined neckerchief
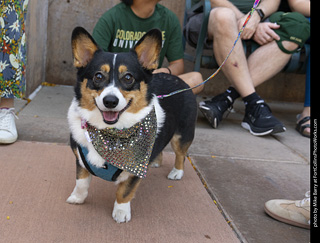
[(128, 149)]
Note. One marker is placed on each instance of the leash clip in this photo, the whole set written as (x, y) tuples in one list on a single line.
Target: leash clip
[(84, 123)]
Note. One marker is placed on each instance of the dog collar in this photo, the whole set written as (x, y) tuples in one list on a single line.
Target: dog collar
[(128, 149)]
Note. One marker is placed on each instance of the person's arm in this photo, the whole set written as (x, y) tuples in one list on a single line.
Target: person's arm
[(176, 68), (173, 50), (265, 33), (300, 6), (268, 7), (226, 4)]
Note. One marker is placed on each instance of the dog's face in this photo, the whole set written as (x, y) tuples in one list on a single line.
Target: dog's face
[(112, 89)]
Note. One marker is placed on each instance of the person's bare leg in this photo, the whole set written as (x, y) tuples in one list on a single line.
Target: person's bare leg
[(258, 118), (305, 113), (244, 74), (223, 28), (267, 61), (193, 79), (6, 103)]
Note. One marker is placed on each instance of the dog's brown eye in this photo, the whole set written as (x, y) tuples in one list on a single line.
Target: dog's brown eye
[(128, 78), (98, 76)]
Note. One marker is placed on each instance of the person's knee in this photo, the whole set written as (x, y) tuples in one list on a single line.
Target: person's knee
[(222, 16), (290, 46), (219, 19), (196, 79), (197, 76), (193, 79)]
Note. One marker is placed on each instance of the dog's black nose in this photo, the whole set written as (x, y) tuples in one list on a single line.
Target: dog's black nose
[(110, 101)]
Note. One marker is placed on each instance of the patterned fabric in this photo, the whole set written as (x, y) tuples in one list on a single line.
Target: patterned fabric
[(128, 149), (12, 48)]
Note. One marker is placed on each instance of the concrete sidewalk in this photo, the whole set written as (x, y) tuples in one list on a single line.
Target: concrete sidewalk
[(240, 172)]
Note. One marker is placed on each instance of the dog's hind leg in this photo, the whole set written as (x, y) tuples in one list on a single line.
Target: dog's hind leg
[(83, 179), (125, 192), (180, 150), (156, 163)]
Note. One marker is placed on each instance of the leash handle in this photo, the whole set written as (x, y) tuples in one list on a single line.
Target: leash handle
[(255, 5)]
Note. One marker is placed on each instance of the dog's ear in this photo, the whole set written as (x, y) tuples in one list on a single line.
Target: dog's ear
[(83, 47), (148, 49)]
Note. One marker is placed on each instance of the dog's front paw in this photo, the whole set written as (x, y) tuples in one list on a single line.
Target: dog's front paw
[(80, 191), (76, 199), (155, 165), (175, 174), (121, 212)]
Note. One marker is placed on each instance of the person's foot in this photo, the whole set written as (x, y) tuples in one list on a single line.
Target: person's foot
[(259, 120), (303, 125), (8, 130), (214, 109), (296, 213)]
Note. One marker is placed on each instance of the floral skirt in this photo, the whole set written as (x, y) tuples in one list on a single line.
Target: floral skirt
[(13, 53)]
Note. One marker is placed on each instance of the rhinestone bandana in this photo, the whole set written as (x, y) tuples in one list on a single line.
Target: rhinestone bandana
[(128, 149)]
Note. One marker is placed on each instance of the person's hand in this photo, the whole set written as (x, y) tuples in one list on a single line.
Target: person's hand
[(161, 70), (175, 68), (265, 33), (251, 26)]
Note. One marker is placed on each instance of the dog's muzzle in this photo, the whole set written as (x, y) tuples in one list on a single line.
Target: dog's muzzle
[(111, 117)]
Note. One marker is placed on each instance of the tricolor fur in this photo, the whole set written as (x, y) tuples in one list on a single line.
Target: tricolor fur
[(118, 90)]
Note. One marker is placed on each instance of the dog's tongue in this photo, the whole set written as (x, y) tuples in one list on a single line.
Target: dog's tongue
[(110, 116)]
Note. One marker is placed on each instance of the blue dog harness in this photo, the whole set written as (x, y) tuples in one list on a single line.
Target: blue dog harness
[(108, 172)]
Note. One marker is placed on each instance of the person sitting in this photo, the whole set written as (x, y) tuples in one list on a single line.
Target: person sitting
[(225, 21), (123, 25)]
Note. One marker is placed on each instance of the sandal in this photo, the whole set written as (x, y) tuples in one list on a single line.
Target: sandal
[(301, 126)]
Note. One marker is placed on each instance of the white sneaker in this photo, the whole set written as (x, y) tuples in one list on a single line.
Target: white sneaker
[(296, 213), (8, 130)]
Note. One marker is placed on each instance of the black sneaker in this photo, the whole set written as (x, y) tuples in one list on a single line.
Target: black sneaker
[(259, 120), (214, 109)]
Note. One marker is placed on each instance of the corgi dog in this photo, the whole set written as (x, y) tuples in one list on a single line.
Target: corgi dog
[(118, 124)]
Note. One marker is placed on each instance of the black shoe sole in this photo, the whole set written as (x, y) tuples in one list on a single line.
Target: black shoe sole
[(263, 132)]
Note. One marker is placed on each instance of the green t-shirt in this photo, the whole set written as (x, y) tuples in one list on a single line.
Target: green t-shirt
[(244, 6), (119, 29)]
